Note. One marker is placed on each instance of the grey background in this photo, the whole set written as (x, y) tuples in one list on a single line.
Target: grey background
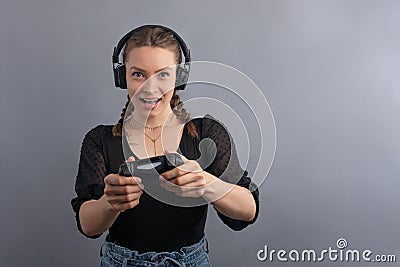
[(328, 68)]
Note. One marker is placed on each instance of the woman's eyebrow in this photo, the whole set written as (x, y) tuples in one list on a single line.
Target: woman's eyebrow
[(142, 70)]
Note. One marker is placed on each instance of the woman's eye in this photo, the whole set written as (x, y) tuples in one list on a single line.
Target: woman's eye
[(163, 74), (137, 74)]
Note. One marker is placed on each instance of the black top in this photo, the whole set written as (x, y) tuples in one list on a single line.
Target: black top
[(153, 225)]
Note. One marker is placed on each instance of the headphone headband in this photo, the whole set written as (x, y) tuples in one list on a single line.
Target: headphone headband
[(124, 40)]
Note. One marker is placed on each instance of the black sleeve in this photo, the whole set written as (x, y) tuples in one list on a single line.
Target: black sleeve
[(226, 166), (91, 172)]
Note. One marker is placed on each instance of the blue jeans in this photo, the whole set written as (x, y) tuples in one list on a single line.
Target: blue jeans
[(193, 255)]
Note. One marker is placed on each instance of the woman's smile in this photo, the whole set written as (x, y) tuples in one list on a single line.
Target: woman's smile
[(150, 103)]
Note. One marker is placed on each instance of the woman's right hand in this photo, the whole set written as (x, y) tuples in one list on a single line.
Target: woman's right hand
[(122, 192)]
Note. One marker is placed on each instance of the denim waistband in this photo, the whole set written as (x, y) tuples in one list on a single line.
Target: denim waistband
[(185, 256)]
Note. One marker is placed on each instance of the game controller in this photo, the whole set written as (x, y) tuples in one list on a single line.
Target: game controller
[(153, 166)]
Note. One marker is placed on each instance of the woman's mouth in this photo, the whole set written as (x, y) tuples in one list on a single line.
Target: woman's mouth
[(150, 103)]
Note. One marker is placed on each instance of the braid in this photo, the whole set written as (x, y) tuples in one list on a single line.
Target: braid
[(117, 129), (180, 112)]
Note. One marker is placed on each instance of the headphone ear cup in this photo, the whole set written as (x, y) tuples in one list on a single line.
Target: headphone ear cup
[(120, 76), (182, 76)]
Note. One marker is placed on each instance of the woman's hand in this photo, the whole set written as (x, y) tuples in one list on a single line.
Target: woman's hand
[(187, 180), (122, 192)]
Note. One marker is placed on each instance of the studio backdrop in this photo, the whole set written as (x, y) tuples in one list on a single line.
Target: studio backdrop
[(328, 71)]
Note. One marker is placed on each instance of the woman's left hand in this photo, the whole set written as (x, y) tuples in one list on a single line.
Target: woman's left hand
[(187, 180)]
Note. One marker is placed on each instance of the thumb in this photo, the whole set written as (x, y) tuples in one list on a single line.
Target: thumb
[(130, 159), (137, 179)]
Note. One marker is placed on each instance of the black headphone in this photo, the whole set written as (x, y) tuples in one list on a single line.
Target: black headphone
[(182, 73)]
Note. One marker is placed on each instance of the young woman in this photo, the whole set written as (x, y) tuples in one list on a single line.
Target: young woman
[(143, 230)]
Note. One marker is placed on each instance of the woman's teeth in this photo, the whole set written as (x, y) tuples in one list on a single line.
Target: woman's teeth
[(150, 101)]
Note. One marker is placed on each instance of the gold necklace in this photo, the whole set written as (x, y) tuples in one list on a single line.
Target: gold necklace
[(154, 142), (144, 126)]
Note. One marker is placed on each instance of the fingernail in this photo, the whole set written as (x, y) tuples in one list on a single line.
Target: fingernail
[(130, 159)]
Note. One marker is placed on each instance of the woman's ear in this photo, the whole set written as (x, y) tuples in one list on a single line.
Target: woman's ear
[(182, 76)]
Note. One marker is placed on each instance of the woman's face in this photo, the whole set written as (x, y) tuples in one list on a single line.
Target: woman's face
[(150, 77)]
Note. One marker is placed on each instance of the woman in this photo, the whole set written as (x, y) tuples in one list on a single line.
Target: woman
[(143, 229)]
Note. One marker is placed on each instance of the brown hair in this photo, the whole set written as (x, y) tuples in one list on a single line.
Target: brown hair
[(156, 37)]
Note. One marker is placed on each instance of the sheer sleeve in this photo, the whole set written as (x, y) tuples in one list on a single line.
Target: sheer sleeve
[(226, 166), (91, 172)]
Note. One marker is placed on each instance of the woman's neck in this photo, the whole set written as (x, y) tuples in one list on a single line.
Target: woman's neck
[(154, 121)]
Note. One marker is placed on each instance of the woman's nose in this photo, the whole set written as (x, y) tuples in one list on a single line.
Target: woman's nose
[(150, 86)]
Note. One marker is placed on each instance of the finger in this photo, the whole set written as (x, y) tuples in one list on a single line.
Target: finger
[(115, 179), (188, 187), (130, 159), (184, 191), (137, 180), (167, 185), (116, 199), (122, 180), (170, 173), (122, 190), (171, 187), (187, 179), (188, 167), (193, 184), (175, 172)]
